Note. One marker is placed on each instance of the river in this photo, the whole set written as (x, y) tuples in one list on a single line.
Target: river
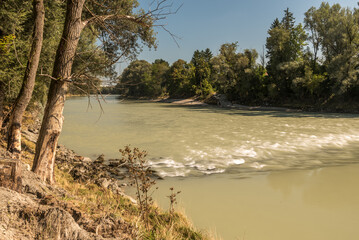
[(252, 175)]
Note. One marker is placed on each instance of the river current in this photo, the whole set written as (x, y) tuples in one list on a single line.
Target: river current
[(242, 156)]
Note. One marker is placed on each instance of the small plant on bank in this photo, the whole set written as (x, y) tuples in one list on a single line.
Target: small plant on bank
[(140, 175), (173, 200)]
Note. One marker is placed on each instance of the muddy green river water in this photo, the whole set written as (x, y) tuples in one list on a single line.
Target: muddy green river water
[(252, 175)]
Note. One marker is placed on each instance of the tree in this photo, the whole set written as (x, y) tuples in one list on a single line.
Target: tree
[(136, 79), (336, 31), (236, 74), (2, 99), (15, 30), (311, 24), (18, 23), (285, 52), (5, 42), (224, 72), (160, 69), (179, 78), (23, 99), (142, 79), (251, 77), (201, 81), (119, 29)]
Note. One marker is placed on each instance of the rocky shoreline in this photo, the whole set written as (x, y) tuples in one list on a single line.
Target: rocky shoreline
[(85, 170), (111, 174)]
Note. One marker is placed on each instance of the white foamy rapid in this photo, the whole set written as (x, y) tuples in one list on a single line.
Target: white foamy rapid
[(304, 151)]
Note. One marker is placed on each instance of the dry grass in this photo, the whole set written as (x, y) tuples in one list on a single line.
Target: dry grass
[(99, 202)]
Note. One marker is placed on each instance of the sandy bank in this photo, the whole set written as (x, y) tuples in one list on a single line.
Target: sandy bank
[(188, 101), (224, 104)]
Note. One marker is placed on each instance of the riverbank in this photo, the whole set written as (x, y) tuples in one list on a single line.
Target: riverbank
[(221, 101), (87, 202), (187, 101), (224, 103)]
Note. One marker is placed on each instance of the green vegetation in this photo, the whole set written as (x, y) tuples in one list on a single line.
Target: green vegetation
[(313, 66), (179, 79), (15, 42)]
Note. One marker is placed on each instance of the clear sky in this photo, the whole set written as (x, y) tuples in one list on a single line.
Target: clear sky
[(205, 24)]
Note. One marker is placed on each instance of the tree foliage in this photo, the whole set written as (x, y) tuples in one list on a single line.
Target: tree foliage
[(312, 64), (179, 79), (17, 18), (202, 72), (137, 79), (285, 46)]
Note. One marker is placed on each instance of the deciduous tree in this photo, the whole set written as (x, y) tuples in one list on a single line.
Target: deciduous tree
[(178, 82), (202, 75), (119, 28), (285, 49), (23, 99)]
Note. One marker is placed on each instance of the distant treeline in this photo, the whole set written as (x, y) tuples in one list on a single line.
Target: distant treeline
[(312, 64)]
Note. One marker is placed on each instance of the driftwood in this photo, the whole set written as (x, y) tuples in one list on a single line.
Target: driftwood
[(10, 174)]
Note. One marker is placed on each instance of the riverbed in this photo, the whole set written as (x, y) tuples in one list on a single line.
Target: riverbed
[(243, 174)]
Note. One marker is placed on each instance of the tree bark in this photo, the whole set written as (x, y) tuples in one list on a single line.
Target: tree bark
[(53, 117), (23, 99), (2, 100)]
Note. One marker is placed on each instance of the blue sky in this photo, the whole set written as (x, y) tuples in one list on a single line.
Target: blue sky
[(209, 23)]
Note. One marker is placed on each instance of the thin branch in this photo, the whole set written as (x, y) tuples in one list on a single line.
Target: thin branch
[(115, 17), (17, 58), (75, 85), (55, 79), (172, 35)]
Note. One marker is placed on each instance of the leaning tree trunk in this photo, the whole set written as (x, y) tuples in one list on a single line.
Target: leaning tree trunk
[(53, 117), (2, 102), (23, 99)]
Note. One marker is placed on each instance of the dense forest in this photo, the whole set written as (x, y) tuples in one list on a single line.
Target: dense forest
[(314, 65)]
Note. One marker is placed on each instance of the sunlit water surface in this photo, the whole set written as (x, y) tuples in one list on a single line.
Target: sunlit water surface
[(243, 174)]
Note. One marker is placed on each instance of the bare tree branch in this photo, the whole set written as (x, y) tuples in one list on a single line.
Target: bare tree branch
[(15, 51), (82, 79), (103, 18), (174, 37), (55, 79)]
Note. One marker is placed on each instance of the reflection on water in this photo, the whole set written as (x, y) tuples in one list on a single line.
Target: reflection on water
[(323, 187), (321, 204), (294, 181), (282, 175)]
